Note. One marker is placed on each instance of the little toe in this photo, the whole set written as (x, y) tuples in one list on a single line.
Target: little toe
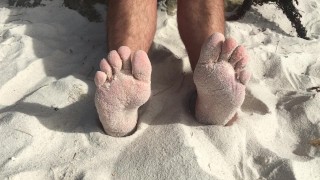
[(244, 76), (106, 68), (238, 54), (141, 66), (211, 49), (228, 47), (114, 61), (125, 53), (100, 78)]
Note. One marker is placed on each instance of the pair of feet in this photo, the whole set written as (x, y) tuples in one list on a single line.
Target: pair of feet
[(123, 85)]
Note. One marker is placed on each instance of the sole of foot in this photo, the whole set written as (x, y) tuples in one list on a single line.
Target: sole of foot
[(220, 78), (123, 85)]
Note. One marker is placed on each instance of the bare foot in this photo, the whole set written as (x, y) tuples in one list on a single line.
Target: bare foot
[(123, 85), (220, 80)]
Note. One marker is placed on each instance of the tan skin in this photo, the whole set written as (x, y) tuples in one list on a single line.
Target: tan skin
[(133, 24), (123, 84), (206, 17)]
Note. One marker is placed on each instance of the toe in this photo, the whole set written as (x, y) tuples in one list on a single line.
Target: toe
[(238, 54), (125, 53), (241, 64), (228, 47), (244, 76), (211, 48), (106, 68), (114, 61), (141, 66), (100, 78)]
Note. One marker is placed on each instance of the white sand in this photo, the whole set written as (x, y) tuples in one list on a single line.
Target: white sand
[(49, 127)]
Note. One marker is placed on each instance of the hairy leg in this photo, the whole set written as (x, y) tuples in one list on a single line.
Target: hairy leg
[(123, 82), (197, 20), (131, 23), (219, 73)]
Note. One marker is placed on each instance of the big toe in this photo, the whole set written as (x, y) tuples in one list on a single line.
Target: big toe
[(211, 48), (141, 66)]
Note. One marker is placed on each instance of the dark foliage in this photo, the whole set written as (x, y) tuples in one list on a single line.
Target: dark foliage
[(85, 8), (286, 6), (24, 3)]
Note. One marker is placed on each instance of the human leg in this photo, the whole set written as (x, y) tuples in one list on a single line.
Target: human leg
[(218, 64), (131, 23), (197, 20), (123, 83)]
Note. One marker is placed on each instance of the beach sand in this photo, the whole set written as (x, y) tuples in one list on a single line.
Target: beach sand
[(49, 128)]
